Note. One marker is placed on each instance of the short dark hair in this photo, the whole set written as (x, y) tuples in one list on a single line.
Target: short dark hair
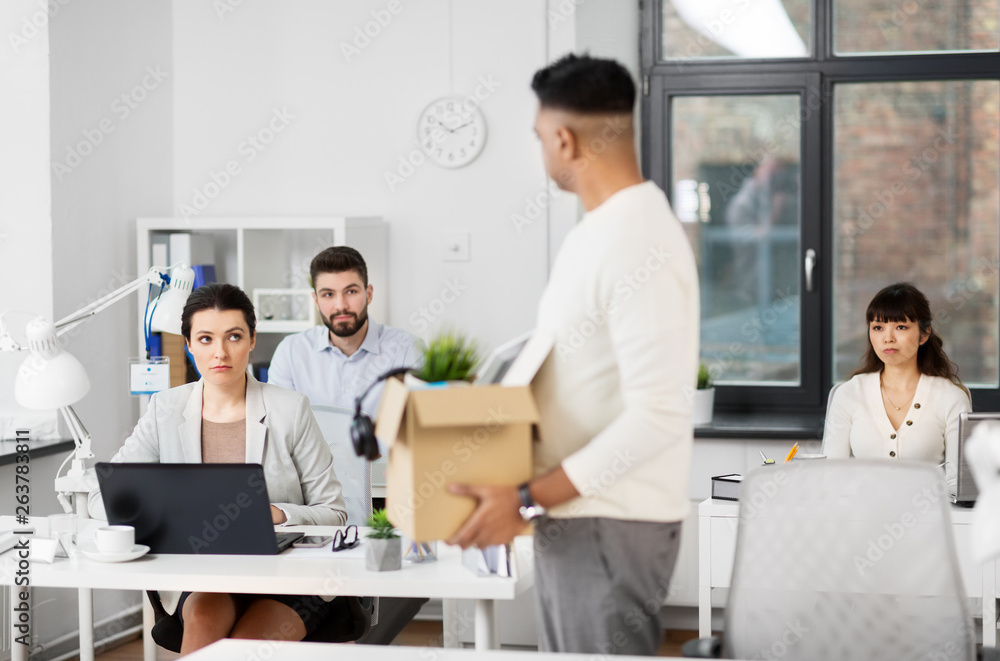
[(585, 85), (217, 296), (337, 260)]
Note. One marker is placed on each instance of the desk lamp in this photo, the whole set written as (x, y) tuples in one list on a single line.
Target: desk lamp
[(51, 378)]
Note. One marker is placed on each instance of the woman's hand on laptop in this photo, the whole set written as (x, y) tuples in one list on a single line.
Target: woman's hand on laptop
[(277, 516)]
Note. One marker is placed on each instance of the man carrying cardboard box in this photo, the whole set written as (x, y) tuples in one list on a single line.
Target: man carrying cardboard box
[(614, 396)]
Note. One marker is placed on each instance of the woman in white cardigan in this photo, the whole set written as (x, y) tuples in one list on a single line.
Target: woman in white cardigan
[(230, 417), (905, 399)]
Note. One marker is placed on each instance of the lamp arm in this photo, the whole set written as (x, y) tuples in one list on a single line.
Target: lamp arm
[(152, 277), (81, 437), (79, 480)]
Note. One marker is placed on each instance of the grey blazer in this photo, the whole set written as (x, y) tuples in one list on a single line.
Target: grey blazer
[(282, 436)]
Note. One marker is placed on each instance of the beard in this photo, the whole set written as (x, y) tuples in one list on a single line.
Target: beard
[(347, 328)]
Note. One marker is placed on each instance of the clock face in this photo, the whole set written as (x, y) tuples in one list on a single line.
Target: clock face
[(452, 132)]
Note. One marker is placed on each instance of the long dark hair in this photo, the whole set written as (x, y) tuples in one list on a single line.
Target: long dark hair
[(218, 296), (904, 302)]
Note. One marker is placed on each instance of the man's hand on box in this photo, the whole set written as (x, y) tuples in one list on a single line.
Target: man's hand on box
[(496, 519)]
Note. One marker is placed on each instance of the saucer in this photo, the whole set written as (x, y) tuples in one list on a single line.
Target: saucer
[(91, 552)]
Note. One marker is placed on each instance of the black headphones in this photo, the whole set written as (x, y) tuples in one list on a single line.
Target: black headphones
[(362, 427)]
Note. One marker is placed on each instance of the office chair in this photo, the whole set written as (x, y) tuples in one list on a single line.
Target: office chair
[(845, 559), (354, 472), (826, 417), (389, 614)]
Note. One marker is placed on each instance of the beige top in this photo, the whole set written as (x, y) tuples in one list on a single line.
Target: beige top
[(224, 442)]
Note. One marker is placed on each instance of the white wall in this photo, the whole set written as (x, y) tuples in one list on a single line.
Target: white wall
[(353, 122), (111, 162), (610, 28), (25, 220), (103, 92)]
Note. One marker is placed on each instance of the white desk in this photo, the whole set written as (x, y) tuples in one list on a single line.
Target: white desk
[(279, 574), (717, 523), (249, 650)]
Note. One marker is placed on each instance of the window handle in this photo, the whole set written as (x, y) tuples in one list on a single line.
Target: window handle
[(810, 264)]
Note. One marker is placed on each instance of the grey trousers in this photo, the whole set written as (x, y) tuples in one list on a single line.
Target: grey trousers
[(600, 584)]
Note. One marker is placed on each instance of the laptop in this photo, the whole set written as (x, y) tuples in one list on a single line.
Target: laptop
[(193, 508), (966, 492), (516, 362)]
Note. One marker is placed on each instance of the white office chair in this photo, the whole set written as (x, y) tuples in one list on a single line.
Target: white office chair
[(354, 473), (846, 559), (826, 418)]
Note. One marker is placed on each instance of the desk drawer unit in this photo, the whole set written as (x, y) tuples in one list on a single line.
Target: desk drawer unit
[(723, 550), (972, 576)]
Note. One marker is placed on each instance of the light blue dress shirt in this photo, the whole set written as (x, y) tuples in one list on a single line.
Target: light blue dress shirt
[(307, 363)]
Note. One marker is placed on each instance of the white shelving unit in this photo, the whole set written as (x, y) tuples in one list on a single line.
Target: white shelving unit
[(273, 253)]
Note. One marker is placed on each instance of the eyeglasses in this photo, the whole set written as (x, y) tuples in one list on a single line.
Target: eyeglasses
[(345, 539)]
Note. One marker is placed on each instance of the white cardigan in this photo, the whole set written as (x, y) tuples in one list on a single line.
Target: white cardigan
[(858, 426)]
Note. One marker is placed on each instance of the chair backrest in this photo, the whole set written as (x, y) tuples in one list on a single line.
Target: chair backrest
[(353, 471), (846, 559), (826, 418)]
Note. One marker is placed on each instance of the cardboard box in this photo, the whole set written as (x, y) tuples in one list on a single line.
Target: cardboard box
[(436, 436)]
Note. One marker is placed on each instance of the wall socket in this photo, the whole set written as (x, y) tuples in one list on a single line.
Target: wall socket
[(456, 246)]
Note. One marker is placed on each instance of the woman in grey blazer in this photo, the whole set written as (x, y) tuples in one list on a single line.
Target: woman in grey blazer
[(228, 416)]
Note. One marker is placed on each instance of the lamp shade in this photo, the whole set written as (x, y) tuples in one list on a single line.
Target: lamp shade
[(49, 378), (170, 303)]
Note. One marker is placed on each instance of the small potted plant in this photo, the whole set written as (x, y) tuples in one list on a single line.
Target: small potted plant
[(449, 357), (383, 551), (704, 397)]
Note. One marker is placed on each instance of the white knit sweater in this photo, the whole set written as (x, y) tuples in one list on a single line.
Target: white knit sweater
[(615, 394)]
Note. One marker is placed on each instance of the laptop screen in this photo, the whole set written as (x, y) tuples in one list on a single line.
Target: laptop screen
[(966, 491), (191, 508)]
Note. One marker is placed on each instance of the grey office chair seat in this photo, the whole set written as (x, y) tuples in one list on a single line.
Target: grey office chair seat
[(846, 559)]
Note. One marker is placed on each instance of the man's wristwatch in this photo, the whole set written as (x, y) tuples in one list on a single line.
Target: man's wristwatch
[(529, 509)]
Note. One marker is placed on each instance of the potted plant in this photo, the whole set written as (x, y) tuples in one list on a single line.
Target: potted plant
[(383, 551), (448, 358), (704, 397)]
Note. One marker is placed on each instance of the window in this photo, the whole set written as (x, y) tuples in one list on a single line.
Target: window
[(735, 176), (816, 151)]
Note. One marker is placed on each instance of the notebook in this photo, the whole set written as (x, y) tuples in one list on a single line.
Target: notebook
[(966, 492), (193, 508)]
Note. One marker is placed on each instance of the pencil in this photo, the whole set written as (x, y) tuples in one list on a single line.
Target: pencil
[(791, 453)]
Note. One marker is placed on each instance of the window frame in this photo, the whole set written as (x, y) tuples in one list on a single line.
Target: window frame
[(663, 80)]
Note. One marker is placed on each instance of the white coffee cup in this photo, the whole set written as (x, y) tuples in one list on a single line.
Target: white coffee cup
[(114, 539)]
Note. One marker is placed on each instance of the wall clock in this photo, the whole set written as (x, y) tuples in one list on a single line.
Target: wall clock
[(452, 131)]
